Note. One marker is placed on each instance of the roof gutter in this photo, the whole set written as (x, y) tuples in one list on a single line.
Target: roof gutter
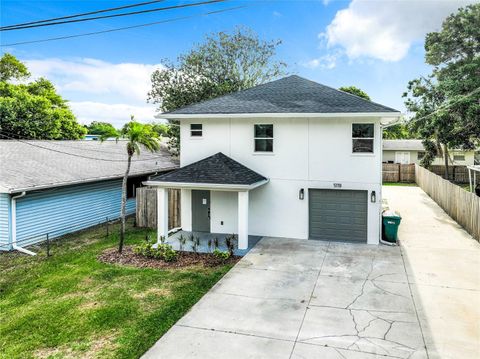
[(278, 115), (211, 186), (14, 225)]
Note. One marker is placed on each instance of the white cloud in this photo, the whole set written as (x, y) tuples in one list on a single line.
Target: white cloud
[(129, 81), (100, 90), (116, 114), (385, 30), (328, 61)]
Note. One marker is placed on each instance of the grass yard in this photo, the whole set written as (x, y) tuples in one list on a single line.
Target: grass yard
[(70, 305)]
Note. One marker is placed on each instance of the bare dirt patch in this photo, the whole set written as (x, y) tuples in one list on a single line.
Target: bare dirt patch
[(185, 259)]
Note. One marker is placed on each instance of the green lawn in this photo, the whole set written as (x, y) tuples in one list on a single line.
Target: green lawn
[(71, 305)]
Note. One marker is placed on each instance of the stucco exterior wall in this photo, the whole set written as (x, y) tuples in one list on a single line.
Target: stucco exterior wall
[(307, 153)]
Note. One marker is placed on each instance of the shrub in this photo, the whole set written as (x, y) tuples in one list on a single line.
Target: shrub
[(221, 255), (160, 251)]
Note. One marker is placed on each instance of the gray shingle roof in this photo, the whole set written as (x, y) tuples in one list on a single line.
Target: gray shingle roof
[(216, 169), (28, 165), (292, 94)]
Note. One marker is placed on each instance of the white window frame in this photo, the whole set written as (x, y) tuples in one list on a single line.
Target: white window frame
[(196, 130), (263, 138), (363, 138)]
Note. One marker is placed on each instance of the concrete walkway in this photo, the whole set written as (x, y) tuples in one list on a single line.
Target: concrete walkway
[(443, 268), (318, 300)]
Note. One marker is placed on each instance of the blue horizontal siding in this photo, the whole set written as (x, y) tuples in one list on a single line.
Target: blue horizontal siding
[(62, 210), (4, 221)]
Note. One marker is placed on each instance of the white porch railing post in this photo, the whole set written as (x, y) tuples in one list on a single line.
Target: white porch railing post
[(162, 213), (242, 219)]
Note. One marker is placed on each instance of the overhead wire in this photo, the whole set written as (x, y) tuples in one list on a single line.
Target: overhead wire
[(83, 14), (125, 27), (114, 15)]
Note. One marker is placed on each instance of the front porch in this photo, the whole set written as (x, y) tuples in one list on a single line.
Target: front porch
[(215, 200), (205, 238)]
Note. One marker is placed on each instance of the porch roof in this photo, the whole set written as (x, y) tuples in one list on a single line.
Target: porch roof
[(218, 171)]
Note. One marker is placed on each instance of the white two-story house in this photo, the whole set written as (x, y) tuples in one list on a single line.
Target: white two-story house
[(290, 158)]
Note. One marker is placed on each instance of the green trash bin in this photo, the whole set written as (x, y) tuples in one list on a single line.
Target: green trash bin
[(390, 221)]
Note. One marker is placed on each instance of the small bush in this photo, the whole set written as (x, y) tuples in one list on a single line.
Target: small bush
[(161, 251), (221, 255)]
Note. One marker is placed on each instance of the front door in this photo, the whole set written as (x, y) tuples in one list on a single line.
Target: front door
[(402, 158), (200, 211)]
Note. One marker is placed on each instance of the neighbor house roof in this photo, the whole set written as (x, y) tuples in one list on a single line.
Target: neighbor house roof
[(216, 169), (403, 145), (292, 94), (30, 165)]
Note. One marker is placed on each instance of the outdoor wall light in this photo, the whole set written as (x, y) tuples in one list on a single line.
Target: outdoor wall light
[(373, 197), (301, 194)]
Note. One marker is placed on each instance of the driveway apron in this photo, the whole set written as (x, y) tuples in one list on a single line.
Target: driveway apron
[(290, 298)]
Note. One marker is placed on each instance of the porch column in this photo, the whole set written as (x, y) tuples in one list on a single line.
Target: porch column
[(162, 213), (242, 219)]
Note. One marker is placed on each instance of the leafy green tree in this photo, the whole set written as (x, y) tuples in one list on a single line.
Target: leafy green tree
[(99, 128), (161, 129), (12, 68), (355, 91), (223, 63), (137, 135), (446, 104), (33, 110), (398, 131)]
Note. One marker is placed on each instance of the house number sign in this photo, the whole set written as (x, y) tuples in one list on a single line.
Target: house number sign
[(337, 185)]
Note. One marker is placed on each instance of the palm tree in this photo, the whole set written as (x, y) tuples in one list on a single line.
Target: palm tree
[(136, 134)]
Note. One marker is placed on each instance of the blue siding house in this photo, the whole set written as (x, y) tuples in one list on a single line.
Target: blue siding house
[(58, 187)]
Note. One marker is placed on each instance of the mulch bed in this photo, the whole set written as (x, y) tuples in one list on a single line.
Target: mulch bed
[(185, 259)]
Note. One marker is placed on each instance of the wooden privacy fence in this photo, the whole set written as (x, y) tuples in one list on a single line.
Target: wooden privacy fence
[(461, 205), (147, 208), (457, 174), (396, 172)]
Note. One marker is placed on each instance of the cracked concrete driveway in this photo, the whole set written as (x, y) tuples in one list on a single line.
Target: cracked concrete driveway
[(298, 299), (292, 298)]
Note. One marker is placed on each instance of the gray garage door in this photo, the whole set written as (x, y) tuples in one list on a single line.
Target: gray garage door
[(338, 215)]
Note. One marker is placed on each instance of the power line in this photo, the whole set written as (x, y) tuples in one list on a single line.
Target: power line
[(77, 155), (82, 14), (124, 28), (115, 15)]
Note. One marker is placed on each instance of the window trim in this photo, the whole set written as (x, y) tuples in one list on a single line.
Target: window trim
[(263, 138), (196, 130), (363, 138)]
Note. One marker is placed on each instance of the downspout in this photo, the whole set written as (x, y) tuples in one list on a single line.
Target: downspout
[(14, 225)]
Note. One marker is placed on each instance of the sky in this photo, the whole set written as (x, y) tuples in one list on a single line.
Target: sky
[(377, 46)]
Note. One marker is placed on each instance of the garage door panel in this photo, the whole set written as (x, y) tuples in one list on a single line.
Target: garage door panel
[(338, 215)]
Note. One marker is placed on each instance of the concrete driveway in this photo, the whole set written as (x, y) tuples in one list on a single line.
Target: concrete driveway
[(303, 299), (443, 267), (292, 298)]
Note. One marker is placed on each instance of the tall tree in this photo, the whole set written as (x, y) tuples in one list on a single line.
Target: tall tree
[(35, 109), (355, 91), (223, 63), (446, 104), (137, 135), (99, 128)]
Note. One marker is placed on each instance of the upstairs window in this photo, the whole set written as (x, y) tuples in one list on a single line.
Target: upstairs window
[(459, 157), (263, 138), (196, 130), (362, 137)]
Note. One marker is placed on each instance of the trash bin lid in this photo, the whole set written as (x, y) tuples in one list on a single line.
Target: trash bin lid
[(391, 213)]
